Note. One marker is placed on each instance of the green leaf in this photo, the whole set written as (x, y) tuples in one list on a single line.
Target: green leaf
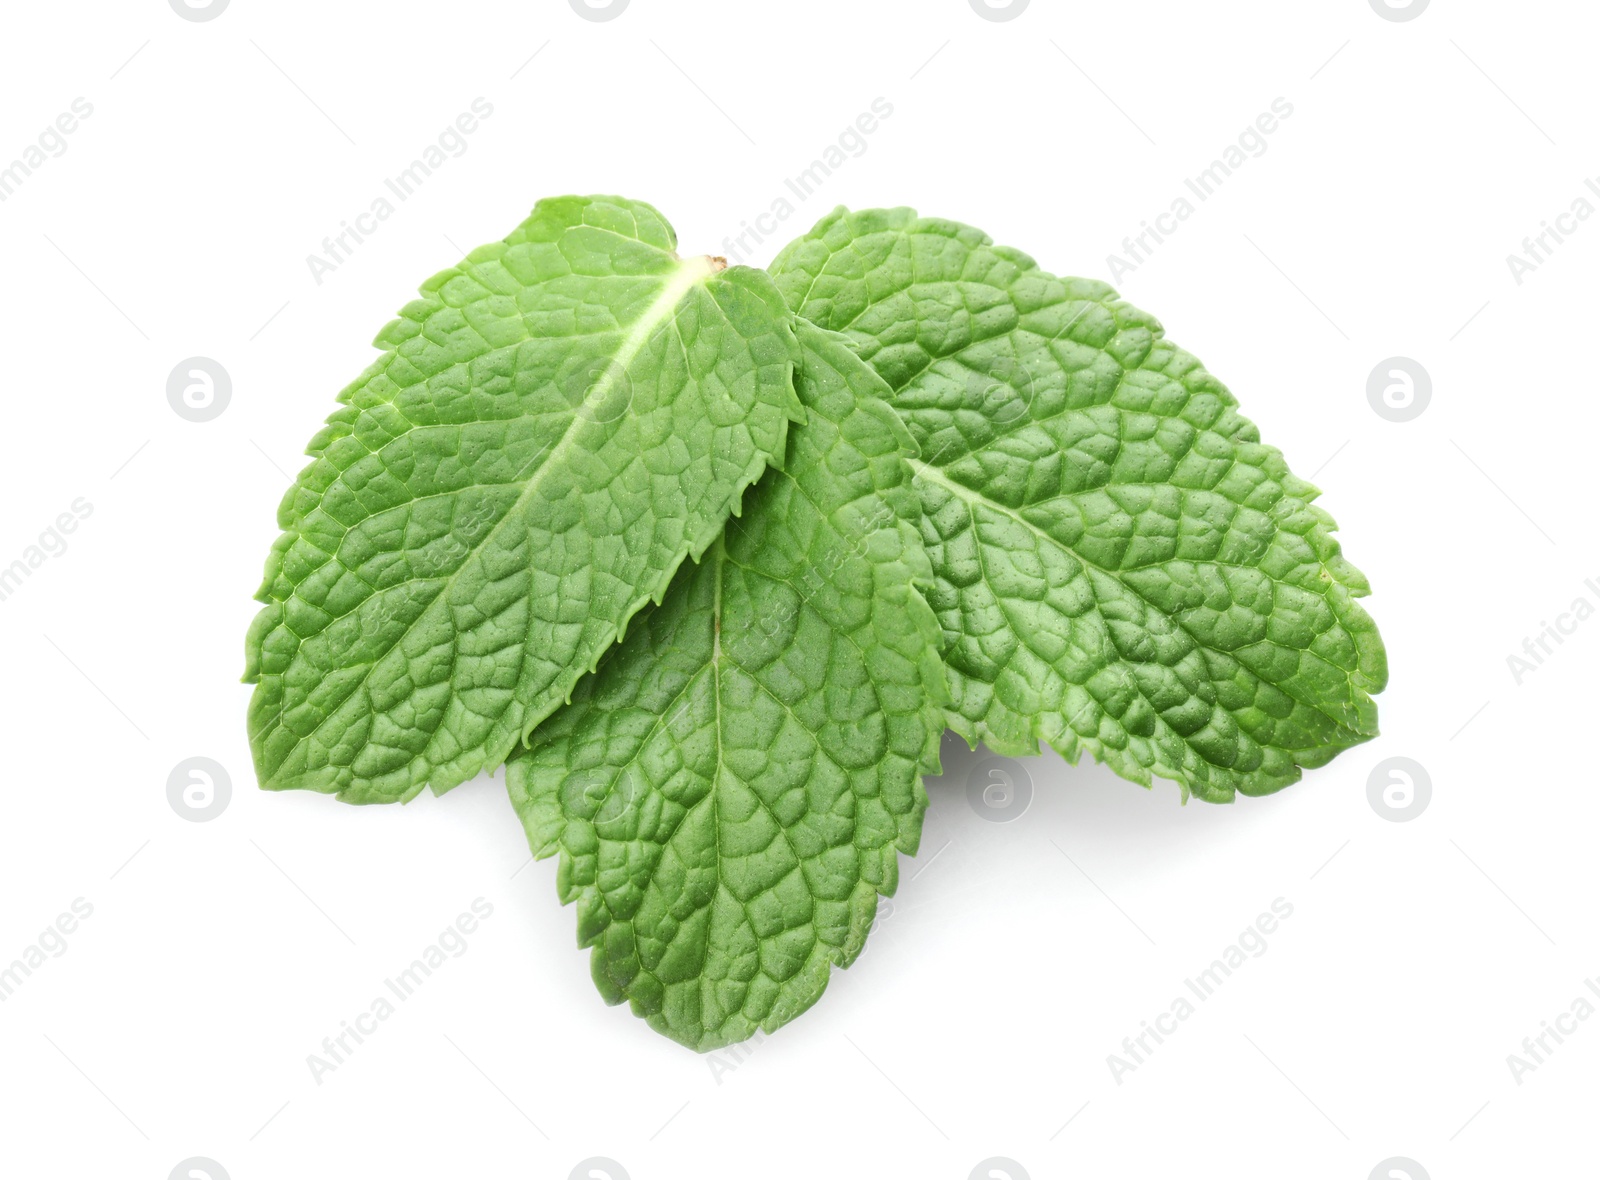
[(730, 790), (1122, 566), (553, 427)]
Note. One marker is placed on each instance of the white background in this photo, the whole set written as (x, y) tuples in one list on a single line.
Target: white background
[(979, 1020)]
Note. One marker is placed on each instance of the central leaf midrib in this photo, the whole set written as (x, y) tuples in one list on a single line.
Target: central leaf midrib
[(721, 565), (688, 273), (973, 497), (718, 556)]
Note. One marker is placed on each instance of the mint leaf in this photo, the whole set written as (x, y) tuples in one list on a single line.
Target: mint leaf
[(730, 790), (553, 427), (1122, 566)]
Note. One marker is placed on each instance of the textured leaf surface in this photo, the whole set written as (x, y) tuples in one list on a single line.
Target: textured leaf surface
[(1122, 566), (729, 791), (552, 428)]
